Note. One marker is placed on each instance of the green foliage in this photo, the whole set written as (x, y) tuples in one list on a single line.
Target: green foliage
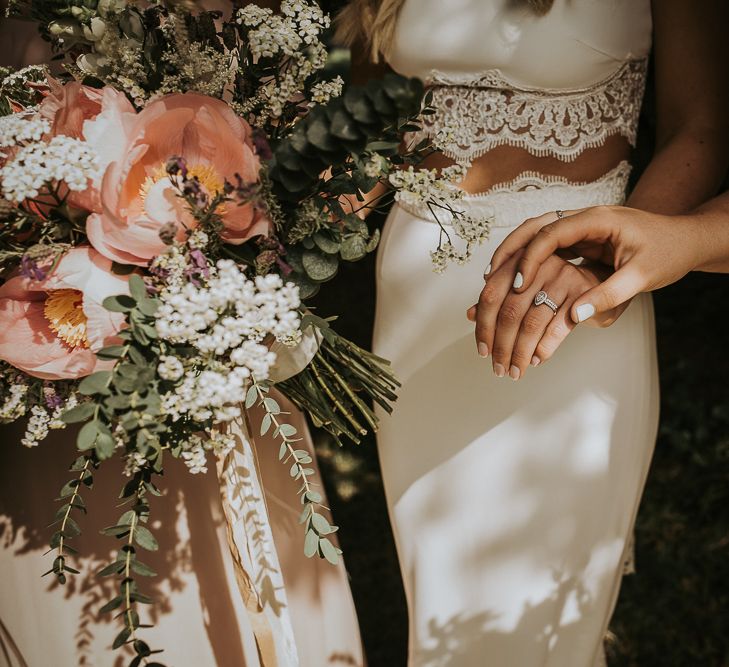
[(337, 386), (130, 529), (329, 135), (70, 496), (316, 526)]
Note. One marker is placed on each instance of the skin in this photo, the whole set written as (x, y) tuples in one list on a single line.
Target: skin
[(646, 251), (690, 160)]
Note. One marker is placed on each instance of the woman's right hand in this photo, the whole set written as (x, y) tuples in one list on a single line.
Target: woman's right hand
[(646, 250)]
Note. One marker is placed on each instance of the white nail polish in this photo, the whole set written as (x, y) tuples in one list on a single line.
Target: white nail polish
[(487, 270), (518, 280), (585, 311)]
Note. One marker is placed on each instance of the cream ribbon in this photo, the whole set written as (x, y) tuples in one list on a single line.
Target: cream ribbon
[(250, 538)]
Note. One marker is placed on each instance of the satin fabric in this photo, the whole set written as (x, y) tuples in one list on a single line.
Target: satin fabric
[(512, 503), (577, 43)]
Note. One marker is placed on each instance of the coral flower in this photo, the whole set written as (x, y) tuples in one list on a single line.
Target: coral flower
[(68, 106), (52, 328), (137, 195)]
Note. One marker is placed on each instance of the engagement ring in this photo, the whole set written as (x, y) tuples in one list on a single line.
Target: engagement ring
[(542, 298)]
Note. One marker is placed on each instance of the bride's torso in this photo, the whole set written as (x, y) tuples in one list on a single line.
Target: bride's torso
[(516, 92)]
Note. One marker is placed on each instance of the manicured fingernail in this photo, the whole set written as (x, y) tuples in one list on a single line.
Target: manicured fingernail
[(499, 370), (486, 271), (585, 311), (518, 280), (483, 350), (514, 373), (536, 361)]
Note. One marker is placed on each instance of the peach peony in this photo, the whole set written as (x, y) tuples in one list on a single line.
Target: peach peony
[(137, 196), (52, 328), (68, 106)]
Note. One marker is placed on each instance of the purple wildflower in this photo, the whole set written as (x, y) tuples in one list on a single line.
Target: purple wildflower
[(29, 269)]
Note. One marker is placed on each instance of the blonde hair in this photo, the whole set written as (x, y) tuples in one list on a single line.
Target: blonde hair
[(371, 23)]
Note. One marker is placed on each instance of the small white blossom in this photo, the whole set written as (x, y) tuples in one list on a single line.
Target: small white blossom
[(195, 459), (37, 165), (22, 76), (375, 166), (324, 91), (437, 194), (134, 463), (194, 450), (170, 368), (198, 240), (37, 428), (293, 37), (14, 405), (20, 128)]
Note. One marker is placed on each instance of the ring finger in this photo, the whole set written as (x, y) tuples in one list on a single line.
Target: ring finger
[(557, 330), (533, 327)]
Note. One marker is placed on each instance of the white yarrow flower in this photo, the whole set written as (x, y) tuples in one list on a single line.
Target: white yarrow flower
[(65, 159)]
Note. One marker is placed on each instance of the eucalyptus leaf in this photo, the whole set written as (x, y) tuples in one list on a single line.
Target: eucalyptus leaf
[(112, 604), (97, 383), (251, 397), (311, 544), (287, 430), (86, 438), (354, 247), (326, 243), (137, 288), (319, 266), (328, 551), (141, 568), (121, 303), (78, 413), (144, 538)]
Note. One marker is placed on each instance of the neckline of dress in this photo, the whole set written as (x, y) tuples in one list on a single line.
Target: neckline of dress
[(495, 78)]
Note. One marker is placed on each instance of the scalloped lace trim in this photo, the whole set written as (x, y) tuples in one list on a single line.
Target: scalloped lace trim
[(473, 115), (614, 180), (530, 194)]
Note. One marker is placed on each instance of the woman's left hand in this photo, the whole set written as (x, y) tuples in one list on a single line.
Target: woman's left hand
[(516, 332)]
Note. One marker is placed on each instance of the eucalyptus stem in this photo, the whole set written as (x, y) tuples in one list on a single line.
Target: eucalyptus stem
[(70, 506), (316, 525)]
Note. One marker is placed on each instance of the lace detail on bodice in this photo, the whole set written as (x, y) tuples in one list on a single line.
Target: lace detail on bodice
[(471, 116)]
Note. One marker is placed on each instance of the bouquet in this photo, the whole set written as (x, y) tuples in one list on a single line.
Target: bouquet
[(169, 204)]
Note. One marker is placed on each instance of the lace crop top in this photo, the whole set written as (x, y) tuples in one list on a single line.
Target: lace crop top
[(500, 74)]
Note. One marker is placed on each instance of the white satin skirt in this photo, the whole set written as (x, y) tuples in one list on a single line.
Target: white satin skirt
[(512, 503)]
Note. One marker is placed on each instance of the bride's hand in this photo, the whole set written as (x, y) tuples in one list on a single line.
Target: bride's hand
[(516, 332)]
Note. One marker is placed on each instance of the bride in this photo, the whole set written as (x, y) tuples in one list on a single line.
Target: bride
[(513, 503)]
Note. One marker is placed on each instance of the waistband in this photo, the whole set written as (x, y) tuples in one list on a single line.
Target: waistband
[(532, 194)]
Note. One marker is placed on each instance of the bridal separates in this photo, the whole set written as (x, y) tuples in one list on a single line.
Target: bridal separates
[(513, 503)]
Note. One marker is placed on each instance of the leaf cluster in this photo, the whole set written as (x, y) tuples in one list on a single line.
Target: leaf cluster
[(316, 526)]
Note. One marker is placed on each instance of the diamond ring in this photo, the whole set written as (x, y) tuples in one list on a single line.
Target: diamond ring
[(560, 214), (542, 298)]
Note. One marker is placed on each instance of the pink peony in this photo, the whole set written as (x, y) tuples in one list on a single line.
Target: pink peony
[(51, 328), (68, 106), (137, 196)]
